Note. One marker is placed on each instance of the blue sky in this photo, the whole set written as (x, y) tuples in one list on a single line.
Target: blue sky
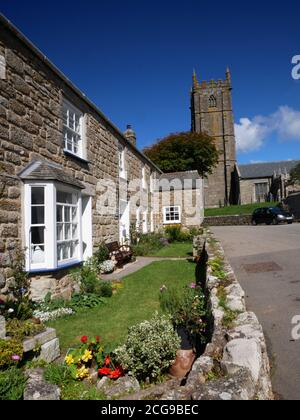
[(134, 59)]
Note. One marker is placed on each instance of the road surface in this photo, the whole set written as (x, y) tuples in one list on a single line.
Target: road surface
[(266, 260)]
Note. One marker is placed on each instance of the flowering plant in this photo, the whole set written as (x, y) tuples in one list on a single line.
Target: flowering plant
[(91, 355), (107, 267), (187, 307)]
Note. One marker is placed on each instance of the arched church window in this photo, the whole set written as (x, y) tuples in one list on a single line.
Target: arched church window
[(212, 101)]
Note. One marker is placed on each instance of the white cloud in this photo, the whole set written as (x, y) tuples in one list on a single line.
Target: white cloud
[(252, 134)]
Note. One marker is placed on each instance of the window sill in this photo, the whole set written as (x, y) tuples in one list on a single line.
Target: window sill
[(55, 270), (172, 223), (70, 154)]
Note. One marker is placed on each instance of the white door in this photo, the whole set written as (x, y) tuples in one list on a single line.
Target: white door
[(124, 222)]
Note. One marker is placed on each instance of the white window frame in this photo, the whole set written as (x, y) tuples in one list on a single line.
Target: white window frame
[(50, 261), (166, 210), (68, 108), (122, 162)]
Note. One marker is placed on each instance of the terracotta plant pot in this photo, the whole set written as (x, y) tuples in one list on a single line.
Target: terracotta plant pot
[(183, 363)]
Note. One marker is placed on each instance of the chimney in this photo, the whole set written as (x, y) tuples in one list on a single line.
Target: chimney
[(130, 135)]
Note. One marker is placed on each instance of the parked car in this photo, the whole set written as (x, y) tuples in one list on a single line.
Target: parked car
[(271, 215)]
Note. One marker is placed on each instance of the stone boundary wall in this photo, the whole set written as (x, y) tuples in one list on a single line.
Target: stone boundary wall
[(228, 220)]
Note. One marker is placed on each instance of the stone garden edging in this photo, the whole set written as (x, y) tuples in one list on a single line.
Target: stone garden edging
[(229, 220)]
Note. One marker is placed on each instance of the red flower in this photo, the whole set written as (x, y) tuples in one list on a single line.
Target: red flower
[(116, 374), (84, 339), (98, 338), (107, 361), (104, 372)]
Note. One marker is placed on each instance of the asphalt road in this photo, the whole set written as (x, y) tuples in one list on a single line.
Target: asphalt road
[(266, 260)]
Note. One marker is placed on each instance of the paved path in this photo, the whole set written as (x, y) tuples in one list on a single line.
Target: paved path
[(273, 295), (140, 263)]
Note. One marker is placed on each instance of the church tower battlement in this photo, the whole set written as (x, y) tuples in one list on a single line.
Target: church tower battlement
[(212, 113)]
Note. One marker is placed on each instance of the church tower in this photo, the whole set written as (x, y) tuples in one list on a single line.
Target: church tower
[(211, 107)]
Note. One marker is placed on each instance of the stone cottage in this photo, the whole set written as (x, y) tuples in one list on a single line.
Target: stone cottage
[(69, 178)]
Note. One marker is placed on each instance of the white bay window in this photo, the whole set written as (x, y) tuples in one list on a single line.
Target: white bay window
[(53, 226)]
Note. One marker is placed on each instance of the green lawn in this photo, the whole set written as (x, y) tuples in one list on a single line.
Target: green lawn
[(137, 301), (237, 210), (175, 250)]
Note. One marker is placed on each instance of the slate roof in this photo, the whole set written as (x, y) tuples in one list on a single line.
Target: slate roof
[(180, 177), (47, 171), (267, 170)]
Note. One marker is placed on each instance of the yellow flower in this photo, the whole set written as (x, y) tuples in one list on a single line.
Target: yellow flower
[(87, 356), (82, 373), (69, 360)]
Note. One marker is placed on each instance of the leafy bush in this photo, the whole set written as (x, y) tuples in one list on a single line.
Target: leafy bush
[(12, 384), (105, 289), (86, 277), (19, 305), (147, 244), (57, 374), (187, 307), (150, 348), (86, 301), (173, 232), (11, 352), (102, 254), (19, 330)]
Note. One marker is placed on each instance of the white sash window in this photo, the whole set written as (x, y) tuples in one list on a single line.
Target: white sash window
[(53, 226)]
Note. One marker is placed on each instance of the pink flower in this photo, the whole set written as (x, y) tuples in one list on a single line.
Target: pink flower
[(16, 358), (193, 286)]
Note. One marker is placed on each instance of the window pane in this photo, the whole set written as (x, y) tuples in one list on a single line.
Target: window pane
[(66, 251), (59, 252), (59, 214), (65, 198), (67, 231), (37, 235), (74, 214), (60, 232), (67, 214), (73, 251), (37, 195), (38, 254), (37, 215), (74, 232)]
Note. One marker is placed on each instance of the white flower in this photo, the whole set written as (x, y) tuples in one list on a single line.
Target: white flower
[(11, 311)]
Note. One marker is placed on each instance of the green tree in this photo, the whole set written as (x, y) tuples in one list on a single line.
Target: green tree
[(295, 175), (184, 152)]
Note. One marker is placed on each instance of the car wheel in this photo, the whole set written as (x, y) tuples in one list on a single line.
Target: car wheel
[(290, 223)]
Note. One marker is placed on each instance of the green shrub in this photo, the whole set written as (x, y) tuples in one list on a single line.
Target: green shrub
[(173, 232), (19, 330), (102, 254), (19, 303), (85, 301), (187, 307), (86, 277), (12, 384), (150, 348), (105, 289), (58, 374), (148, 244), (9, 349)]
